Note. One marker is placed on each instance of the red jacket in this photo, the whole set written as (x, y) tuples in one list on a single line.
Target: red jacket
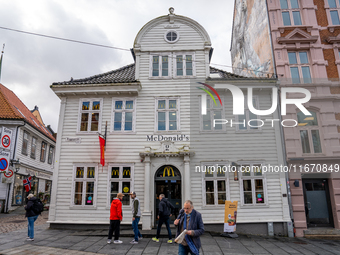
[(116, 209)]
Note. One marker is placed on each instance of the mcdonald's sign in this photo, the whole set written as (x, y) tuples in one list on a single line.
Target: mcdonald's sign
[(126, 172), (115, 172), (80, 172), (90, 172), (169, 170)]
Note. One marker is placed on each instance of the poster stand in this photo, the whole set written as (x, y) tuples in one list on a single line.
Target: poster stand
[(230, 215)]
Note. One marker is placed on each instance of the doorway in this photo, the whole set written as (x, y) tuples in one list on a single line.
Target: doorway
[(317, 203), (168, 182)]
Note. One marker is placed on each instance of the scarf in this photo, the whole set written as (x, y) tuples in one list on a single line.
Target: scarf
[(188, 238)]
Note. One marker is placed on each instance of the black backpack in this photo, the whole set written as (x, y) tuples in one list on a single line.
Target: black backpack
[(38, 206)]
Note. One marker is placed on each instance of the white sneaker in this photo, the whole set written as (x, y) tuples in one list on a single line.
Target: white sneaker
[(30, 239), (140, 238), (109, 241), (133, 242), (117, 241)]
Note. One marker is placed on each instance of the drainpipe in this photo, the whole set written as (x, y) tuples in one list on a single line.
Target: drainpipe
[(14, 152)]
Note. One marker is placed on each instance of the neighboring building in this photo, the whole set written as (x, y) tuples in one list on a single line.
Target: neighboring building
[(156, 138), (298, 41), (31, 153)]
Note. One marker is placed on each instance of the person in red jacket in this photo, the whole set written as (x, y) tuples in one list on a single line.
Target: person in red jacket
[(116, 216)]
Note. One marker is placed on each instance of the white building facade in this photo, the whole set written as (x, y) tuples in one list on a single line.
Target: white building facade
[(157, 139)]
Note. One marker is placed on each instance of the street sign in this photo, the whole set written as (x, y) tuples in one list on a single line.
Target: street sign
[(6, 138), (10, 174), (4, 160)]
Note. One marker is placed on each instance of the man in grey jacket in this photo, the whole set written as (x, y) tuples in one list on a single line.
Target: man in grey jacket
[(136, 213)]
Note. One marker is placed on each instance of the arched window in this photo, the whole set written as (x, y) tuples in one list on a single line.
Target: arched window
[(168, 171), (309, 133)]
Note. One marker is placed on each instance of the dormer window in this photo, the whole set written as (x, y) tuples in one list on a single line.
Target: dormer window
[(290, 12)]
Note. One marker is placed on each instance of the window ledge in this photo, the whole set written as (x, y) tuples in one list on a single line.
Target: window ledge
[(332, 27), (249, 131), (160, 77), (88, 133), (254, 206), (221, 206), (83, 207), (123, 132), (282, 28), (212, 131), (167, 132)]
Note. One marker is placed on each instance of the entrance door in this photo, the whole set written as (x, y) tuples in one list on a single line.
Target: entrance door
[(168, 182), (317, 203)]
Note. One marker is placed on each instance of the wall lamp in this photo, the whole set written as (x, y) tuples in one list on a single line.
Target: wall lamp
[(233, 164)]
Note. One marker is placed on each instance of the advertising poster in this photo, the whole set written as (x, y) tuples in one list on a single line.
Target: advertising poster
[(230, 213)]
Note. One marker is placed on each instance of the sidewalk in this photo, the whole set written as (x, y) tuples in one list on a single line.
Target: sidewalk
[(51, 241)]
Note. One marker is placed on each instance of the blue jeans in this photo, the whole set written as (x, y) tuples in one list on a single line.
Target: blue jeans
[(31, 221), (184, 250), (135, 228), (164, 219)]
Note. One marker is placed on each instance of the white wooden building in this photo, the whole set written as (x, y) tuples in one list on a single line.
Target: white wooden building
[(156, 137)]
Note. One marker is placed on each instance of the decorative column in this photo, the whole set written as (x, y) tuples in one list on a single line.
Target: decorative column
[(187, 179), (147, 215)]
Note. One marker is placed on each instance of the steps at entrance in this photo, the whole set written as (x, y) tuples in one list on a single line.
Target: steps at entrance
[(322, 233)]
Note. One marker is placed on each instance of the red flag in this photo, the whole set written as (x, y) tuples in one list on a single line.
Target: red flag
[(102, 150), (27, 183)]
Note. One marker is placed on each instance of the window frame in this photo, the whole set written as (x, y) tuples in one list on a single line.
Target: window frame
[(252, 177), (332, 9), (124, 99), (84, 180), (290, 10), (25, 149), (309, 130), (80, 111), (120, 180), (215, 178), (300, 65), (211, 109), (175, 76), (167, 99), (160, 65), (248, 129), (50, 158), (169, 31), (41, 151), (33, 147)]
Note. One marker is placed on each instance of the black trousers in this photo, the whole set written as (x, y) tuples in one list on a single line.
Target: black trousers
[(114, 226), (164, 219)]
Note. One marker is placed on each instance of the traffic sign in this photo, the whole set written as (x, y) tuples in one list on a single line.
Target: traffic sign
[(6, 138), (10, 174), (4, 160)]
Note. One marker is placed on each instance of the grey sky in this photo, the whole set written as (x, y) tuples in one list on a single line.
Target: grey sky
[(31, 64)]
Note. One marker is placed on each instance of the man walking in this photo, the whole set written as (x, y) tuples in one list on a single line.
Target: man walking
[(164, 214), (136, 213), (191, 220), (116, 216), (31, 215)]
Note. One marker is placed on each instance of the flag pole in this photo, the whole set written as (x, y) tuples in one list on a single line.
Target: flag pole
[(2, 53)]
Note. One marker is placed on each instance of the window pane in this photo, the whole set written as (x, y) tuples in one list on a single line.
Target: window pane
[(33, 147), (115, 172), (84, 121), (222, 197), (50, 154), (188, 63), (179, 60), (161, 104), (297, 18), (89, 193), (96, 105), (316, 141), (126, 191), (221, 171), (286, 19), (292, 58), (126, 172), (218, 116), (303, 57), (172, 121), (118, 121), (209, 171), (172, 104), (119, 105), (129, 105), (85, 106), (242, 125), (294, 4), (95, 121), (161, 121), (295, 74), (253, 117), (207, 121), (114, 187), (210, 198), (304, 120), (257, 170), (247, 193), (304, 141), (259, 191), (80, 172), (335, 17), (331, 3), (165, 66), (78, 190), (284, 4), (128, 121), (43, 152), (306, 74), (245, 170), (221, 186), (155, 66), (90, 172)]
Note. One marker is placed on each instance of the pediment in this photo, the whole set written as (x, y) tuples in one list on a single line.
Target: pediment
[(297, 36), (333, 39)]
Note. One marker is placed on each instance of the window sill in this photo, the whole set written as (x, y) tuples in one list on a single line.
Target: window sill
[(163, 132), (282, 28), (332, 27), (312, 155), (87, 133), (160, 77), (123, 132), (83, 207), (212, 131), (248, 131), (254, 206)]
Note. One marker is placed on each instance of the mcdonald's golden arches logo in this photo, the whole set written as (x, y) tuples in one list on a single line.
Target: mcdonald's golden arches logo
[(115, 172), (169, 170), (126, 171)]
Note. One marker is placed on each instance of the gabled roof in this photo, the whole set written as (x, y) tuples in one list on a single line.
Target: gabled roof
[(12, 108), (125, 74)]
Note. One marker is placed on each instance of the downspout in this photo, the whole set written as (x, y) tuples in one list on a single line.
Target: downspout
[(14, 152)]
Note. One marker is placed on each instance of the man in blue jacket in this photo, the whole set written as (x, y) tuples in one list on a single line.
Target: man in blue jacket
[(191, 220)]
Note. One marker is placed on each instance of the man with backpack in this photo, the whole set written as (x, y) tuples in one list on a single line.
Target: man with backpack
[(33, 209), (164, 214)]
